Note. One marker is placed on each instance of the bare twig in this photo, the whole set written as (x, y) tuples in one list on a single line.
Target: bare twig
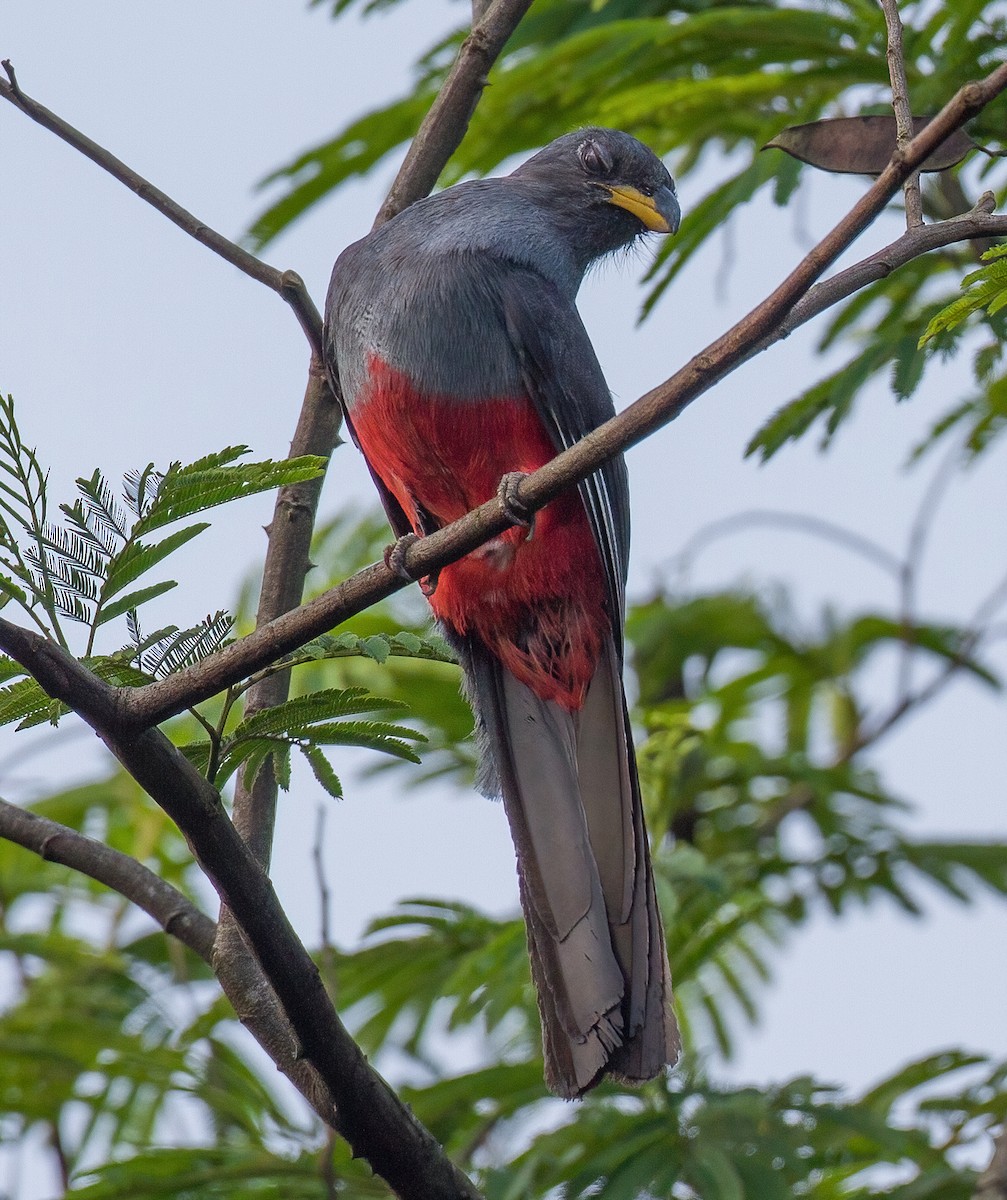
[(324, 895), (445, 124), (977, 633), (799, 522), (902, 107), (910, 569), (288, 284), (57, 843)]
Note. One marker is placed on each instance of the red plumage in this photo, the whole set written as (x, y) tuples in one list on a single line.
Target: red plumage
[(536, 603)]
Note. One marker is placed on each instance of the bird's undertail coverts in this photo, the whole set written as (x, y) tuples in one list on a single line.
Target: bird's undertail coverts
[(594, 931)]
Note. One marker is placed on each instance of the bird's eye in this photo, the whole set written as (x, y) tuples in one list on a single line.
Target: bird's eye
[(647, 189), (595, 158)]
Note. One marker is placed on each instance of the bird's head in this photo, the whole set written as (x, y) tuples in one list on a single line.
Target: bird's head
[(604, 187)]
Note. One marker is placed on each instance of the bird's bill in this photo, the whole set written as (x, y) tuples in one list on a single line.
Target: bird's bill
[(660, 212)]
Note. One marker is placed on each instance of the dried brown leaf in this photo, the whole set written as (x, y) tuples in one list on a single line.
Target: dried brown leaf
[(861, 145)]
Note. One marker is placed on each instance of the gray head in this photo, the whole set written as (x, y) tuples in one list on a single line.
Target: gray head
[(603, 188)]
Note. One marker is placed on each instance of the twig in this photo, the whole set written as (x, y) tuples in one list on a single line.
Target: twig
[(800, 522), (978, 632), (444, 126), (774, 318), (901, 106), (911, 564), (288, 284), (324, 896), (59, 844)]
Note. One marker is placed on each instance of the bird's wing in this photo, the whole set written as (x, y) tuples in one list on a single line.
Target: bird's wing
[(567, 387)]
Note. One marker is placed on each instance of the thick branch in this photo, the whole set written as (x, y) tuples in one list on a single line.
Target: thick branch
[(445, 124), (793, 302), (369, 1115), (59, 844), (902, 108), (288, 284)]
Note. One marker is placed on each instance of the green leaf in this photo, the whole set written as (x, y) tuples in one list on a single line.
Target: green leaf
[(323, 771), (133, 601), (139, 557), (217, 479)]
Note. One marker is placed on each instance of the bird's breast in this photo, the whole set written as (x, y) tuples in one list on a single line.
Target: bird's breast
[(537, 600)]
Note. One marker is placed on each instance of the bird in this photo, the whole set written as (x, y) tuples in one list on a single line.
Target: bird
[(453, 340)]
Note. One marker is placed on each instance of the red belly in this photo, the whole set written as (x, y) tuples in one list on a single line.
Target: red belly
[(538, 604)]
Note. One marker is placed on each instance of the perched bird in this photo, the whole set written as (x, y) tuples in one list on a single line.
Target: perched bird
[(453, 339)]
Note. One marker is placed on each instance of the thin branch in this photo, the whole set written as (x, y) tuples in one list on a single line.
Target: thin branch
[(800, 522), (288, 284), (902, 108), (978, 632), (979, 222), (447, 120), (59, 844), (324, 895), (772, 319), (912, 563)]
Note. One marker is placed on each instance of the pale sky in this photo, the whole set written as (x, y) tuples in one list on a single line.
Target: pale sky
[(123, 341)]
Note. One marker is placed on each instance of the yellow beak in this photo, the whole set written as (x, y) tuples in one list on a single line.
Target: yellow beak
[(659, 219)]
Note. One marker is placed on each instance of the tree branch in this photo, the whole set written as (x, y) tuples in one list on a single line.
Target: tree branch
[(57, 843), (977, 223), (447, 120), (375, 1122), (792, 303), (902, 108), (288, 284)]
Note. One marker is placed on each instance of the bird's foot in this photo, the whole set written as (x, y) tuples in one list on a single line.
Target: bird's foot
[(508, 493), (395, 560)]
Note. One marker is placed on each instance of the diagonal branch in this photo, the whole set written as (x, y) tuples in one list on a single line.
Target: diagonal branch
[(793, 302), (447, 120), (59, 844), (288, 284), (375, 1122)]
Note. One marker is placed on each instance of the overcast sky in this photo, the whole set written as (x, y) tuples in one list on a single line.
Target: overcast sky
[(122, 341)]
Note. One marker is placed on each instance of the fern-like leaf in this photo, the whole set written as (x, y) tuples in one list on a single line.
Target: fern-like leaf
[(218, 479), (983, 290), (180, 648)]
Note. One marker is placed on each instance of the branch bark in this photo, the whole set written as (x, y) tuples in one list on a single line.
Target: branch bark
[(902, 108), (288, 284), (444, 126), (59, 844), (794, 302)]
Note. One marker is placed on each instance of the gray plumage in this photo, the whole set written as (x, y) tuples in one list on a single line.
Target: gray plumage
[(470, 295)]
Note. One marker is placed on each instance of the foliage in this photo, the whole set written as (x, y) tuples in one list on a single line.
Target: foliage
[(750, 729), (700, 79)]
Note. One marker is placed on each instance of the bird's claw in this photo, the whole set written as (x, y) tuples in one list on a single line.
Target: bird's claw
[(508, 493), (395, 560)]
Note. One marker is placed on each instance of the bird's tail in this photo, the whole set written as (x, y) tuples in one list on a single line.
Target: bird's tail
[(572, 797)]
